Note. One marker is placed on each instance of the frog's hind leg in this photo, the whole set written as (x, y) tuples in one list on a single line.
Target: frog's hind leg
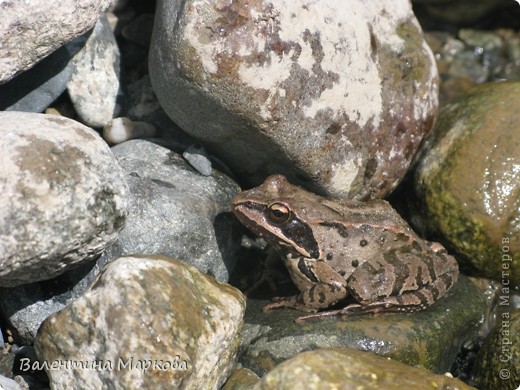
[(405, 303)]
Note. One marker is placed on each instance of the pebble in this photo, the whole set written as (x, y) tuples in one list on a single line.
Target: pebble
[(122, 129)]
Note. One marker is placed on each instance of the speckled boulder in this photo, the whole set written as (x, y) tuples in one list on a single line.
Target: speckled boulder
[(335, 95), (148, 322), (468, 180), (62, 196), (345, 368)]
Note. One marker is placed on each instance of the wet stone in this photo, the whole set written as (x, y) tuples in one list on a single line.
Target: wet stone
[(468, 178), (430, 338), (346, 368)]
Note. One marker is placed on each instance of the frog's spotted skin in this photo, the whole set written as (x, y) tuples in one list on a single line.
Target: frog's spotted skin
[(335, 249)]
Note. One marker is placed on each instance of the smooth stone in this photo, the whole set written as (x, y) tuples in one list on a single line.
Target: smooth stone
[(241, 379), (346, 368), (198, 158), (9, 384), (29, 31), (430, 338), (35, 89), (119, 130), (336, 96), (497, 365), (62, 196), (468, 180), (146, 309), (94, 87), (175, 211)]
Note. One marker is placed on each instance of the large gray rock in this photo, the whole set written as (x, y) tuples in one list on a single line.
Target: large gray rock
[(62, 196), (35, 89), (30, 30), (145, 310), (335, 95), (24, 308), (175, 211)]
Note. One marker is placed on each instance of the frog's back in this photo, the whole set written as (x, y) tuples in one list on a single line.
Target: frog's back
[(375, 212)]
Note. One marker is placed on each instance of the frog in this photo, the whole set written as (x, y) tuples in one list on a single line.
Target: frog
[(346, 257)]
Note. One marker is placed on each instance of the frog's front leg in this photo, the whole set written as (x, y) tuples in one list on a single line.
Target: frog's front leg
[(317, 292)]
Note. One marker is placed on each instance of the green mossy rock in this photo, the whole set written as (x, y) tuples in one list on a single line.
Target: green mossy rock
[(468, 180), (345, 368), (498, 362), (430, 338)]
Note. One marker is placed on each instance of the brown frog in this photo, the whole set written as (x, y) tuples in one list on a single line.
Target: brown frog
[(336, 249)]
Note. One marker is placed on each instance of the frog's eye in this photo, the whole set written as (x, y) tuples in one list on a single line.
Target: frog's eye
[(278, 213)]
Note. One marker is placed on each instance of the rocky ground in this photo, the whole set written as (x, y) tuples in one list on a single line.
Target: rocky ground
[(128, 128)]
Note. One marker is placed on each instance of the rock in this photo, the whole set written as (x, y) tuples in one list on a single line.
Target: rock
[(142, 102), (198, 158), (498, 363), (29, 31), (176, 212), (431, 338), (94, 87), (468, 180), (241, 379), (119, 130), (35, 89), (25, 307), (143, 106), (346, 368), (8, 384), (62, 196), (335, 96), (149, 321)]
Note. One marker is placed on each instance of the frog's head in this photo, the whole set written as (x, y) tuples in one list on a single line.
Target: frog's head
[(278, 211)]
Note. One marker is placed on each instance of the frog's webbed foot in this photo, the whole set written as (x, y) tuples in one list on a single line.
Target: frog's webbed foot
[(390, 305), (348, 311)]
